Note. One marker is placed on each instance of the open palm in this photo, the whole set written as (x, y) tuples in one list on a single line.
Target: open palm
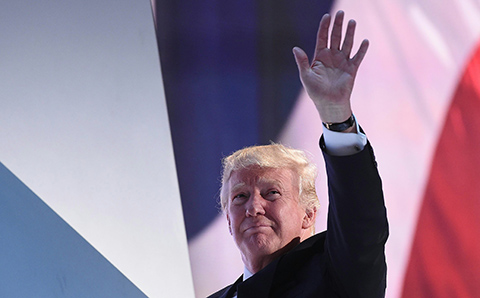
[(329, 79)]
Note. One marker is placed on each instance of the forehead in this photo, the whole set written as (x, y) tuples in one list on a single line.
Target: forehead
[(255, 175)]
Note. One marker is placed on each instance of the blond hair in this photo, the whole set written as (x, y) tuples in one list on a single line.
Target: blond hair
[(273, 156)]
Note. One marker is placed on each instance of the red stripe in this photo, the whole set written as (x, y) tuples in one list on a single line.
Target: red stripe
[(445, 256)]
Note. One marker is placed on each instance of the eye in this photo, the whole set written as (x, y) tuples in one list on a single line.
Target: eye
[(239, 197), (272, 194)]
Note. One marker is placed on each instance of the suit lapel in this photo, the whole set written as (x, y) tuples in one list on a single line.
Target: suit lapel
[(258, 286), (228, 293)]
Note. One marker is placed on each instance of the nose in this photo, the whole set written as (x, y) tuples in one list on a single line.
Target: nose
[(255, 206)]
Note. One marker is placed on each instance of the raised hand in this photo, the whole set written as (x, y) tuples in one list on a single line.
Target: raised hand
[(329, 79)]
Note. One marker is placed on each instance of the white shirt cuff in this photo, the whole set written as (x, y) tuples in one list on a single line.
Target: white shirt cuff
[(342, 144)]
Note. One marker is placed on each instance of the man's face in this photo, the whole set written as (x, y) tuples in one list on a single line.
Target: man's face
[(263, 211)]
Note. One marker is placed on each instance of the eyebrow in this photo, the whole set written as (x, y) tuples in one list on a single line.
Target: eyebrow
[(261, 180), (236, 187)]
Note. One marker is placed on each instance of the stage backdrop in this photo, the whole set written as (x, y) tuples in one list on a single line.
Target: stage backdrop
[(231, 81), (83, 125)]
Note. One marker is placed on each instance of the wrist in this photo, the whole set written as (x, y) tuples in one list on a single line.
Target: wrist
[(334, 112)]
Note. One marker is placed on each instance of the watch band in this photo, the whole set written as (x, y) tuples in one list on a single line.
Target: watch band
[(340, 126)]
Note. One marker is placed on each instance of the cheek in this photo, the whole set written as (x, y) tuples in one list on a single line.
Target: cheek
[(234, 217), (291, 217)]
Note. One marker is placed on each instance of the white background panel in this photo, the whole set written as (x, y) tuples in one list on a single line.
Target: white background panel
[(83, 123)]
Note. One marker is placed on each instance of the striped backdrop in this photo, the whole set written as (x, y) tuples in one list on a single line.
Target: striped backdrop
[(231, 81)]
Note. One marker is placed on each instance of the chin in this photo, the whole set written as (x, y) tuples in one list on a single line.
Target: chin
[(261, 243)]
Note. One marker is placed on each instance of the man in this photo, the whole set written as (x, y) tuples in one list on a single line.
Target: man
[(268, 195)]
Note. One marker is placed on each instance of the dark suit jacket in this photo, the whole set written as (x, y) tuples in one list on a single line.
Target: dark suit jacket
[(348, 259)]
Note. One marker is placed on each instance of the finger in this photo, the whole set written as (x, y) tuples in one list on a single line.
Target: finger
[(322, 34), (301, 59), (348, 41), (337, 31), (358, 58)]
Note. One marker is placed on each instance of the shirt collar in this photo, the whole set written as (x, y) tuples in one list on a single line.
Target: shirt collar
[(246, 274)]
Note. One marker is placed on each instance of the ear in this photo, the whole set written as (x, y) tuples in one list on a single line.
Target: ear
[(309, 218)]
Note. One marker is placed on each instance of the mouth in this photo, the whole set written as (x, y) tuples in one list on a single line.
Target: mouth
[(257, 227)]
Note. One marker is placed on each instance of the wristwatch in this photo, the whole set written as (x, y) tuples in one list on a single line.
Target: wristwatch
[(340, 126)]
